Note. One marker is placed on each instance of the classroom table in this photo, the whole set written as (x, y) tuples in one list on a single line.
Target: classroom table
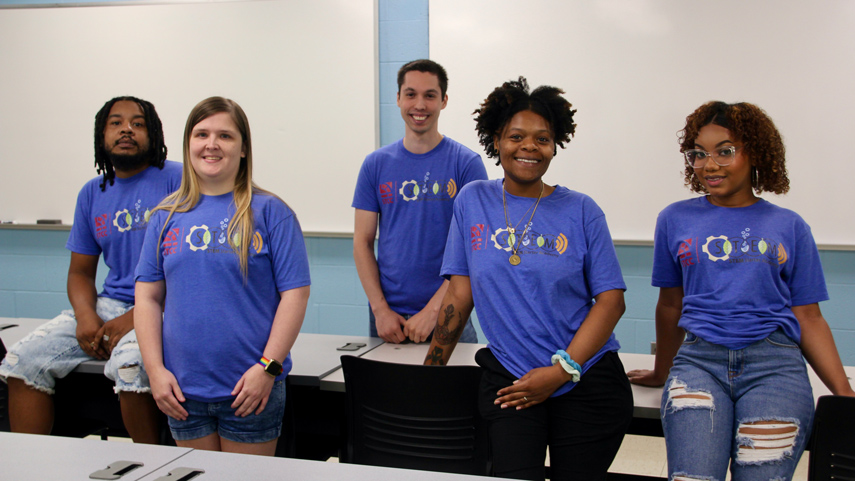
[(229, 466), (646, 399), (33, 457), (314, 355)]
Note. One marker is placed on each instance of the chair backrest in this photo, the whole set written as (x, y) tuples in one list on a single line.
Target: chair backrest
[(415, 417), (832, 453)]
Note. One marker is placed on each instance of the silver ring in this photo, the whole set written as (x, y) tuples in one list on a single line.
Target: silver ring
[(525, 399), (92, 344), (106, 338)]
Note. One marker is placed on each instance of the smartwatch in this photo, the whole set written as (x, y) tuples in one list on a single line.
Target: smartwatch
[(271, 366)]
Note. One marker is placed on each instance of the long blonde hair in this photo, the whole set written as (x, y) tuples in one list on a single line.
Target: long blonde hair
[(186, 197)]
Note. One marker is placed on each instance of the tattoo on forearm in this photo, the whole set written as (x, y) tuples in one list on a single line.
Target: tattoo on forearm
[(444, 333), (434, 357)]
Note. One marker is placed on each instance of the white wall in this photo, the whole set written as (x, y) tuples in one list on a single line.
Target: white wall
[(635, 69)]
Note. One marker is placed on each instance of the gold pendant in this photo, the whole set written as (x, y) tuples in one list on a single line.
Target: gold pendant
[(514, 260)]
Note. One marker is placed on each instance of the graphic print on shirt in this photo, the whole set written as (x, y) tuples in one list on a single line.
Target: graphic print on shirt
[(534, 242), (124, 220), (412, 190), (211, 240), (746, 247)]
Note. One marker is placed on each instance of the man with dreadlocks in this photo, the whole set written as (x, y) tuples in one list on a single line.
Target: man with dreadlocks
[(110, 218)]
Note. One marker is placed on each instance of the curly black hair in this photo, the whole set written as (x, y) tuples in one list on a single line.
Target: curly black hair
[(513, 97), (156, 149), (750, 125)]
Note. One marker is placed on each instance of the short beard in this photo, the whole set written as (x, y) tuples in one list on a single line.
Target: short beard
[(127, 163)]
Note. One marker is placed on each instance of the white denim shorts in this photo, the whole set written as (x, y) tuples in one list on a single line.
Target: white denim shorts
[(51, 352)]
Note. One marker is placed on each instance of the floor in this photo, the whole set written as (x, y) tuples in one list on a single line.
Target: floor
[(641, 455)]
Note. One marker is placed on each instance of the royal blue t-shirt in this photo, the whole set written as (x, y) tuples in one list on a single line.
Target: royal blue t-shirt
[(216, 323), (531, 310), (742, 269), (413, 194), (113, 222)]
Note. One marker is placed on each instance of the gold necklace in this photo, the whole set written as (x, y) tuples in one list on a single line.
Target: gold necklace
[(515, 259)]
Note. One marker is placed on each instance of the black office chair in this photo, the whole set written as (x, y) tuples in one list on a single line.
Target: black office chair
[(832, 452), (415, 417)]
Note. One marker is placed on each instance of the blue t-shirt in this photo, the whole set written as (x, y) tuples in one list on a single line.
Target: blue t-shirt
[(216, 323), (113, 222), (531, 310), (741, 269), (413, 193)]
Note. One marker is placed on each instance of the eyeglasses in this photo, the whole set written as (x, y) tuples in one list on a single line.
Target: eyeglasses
[(697, 159)]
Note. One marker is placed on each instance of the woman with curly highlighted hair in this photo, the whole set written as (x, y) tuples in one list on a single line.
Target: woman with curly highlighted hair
[(533, 258), (740, 284)]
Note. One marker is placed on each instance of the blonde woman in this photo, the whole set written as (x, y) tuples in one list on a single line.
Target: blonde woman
[(222, 287)]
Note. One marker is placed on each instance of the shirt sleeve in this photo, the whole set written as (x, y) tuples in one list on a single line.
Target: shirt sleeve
[(806, 280), (602, 269), (473, 170), (364, 196), (666, 270), (454, 261), (150, 266), (81, 239), (288, 252)]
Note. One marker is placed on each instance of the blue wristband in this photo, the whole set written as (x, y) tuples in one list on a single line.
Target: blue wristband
[(569, 361)]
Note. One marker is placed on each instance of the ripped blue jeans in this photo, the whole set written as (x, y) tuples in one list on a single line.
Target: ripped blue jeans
[(753, 406), (51, 351)]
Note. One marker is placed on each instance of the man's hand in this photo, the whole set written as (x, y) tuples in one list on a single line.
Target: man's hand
[(87, 336), (419, 326), (390, 325), (113, 330)]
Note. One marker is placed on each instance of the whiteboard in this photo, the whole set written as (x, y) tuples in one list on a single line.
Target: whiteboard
[(635, 69), (304, 72)]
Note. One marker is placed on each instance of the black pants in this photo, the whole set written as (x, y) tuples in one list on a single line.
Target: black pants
[(583, 428)]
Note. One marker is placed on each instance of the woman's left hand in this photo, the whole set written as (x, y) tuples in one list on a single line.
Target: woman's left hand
[(533, 388), (252, 391)]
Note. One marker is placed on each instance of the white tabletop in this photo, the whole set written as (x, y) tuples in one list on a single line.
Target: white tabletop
[(13, 329), (314, 355), (227, 466), (317, 355), (33, 457), (463, 355)]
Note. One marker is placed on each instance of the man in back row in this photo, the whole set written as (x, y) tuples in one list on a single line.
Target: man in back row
[(410, 186), (110, 218)]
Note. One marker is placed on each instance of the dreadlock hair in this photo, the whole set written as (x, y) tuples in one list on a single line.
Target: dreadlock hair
[(156, 148), (241, 225), (750, 125), (514, 97)]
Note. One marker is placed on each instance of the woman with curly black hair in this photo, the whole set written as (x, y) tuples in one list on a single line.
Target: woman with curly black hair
[(533, 258), (740, 281)]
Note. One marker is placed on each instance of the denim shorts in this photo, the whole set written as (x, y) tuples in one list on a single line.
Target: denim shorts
[(204, 418), (713, 397), (51, 352)]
